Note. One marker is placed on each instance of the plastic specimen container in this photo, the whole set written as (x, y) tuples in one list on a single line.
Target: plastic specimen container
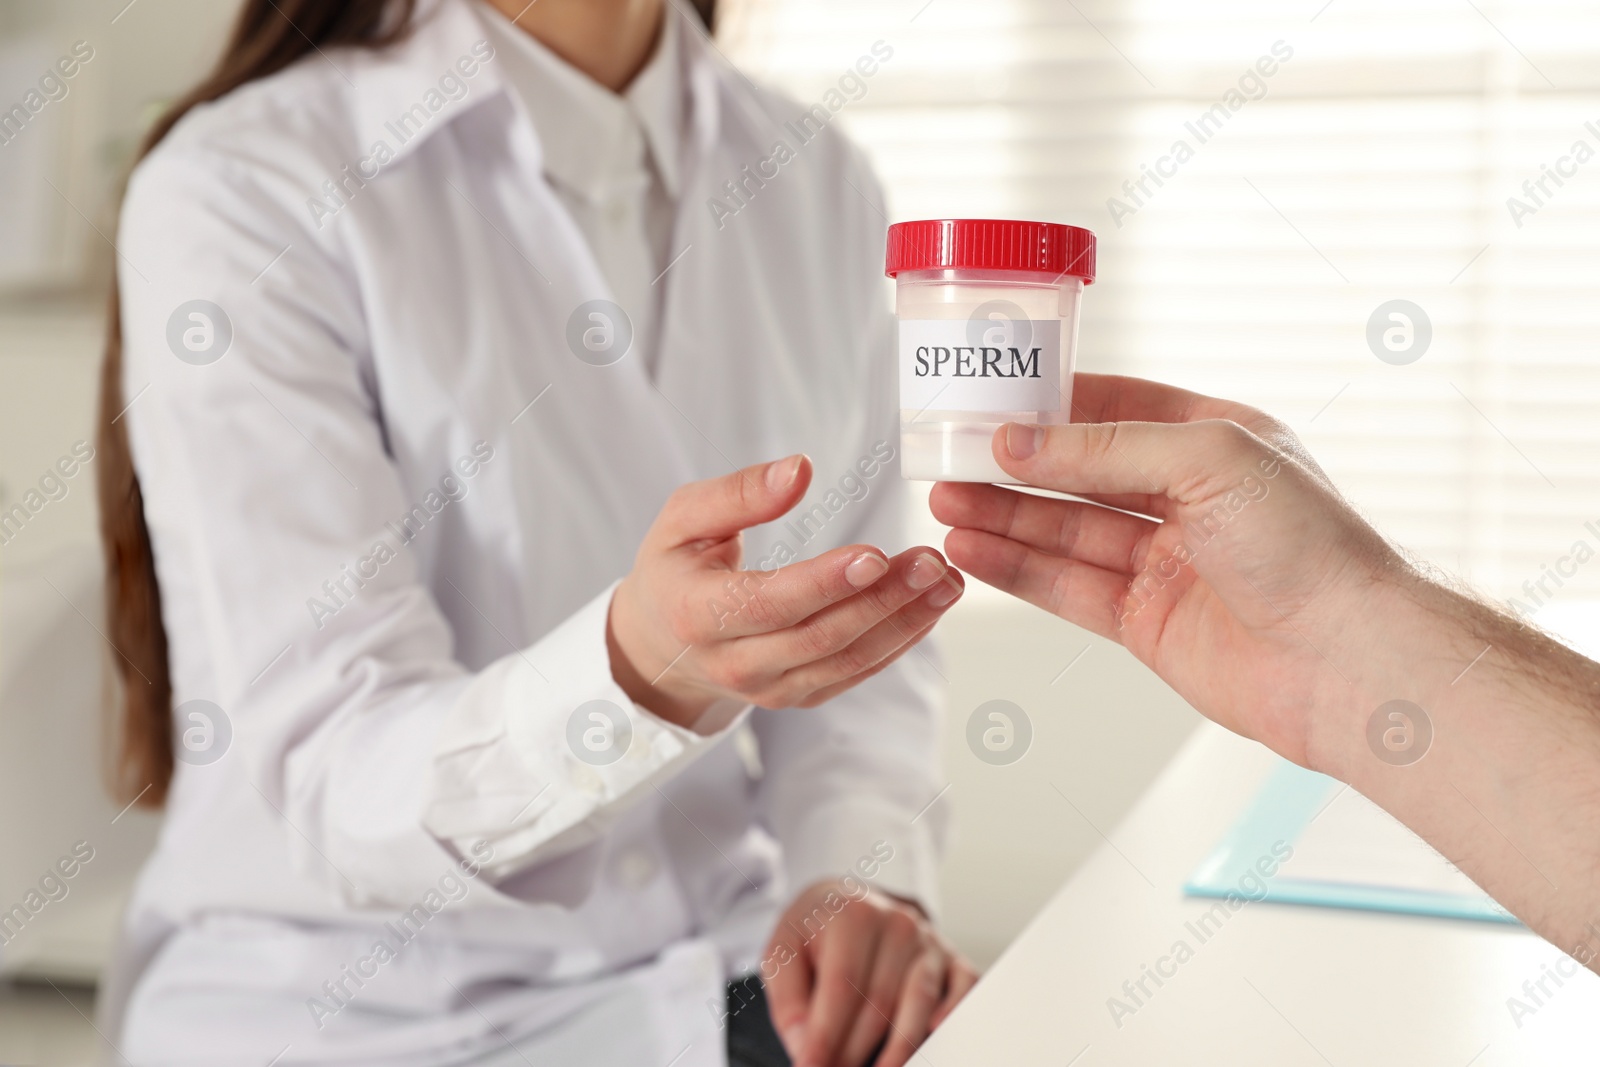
[(988, 334)]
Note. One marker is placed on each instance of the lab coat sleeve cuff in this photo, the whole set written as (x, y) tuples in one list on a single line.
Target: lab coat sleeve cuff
[(544, 750), (872, 841)]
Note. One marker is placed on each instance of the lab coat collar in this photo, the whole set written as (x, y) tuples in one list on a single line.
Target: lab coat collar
[(594, 138), (657, 96), (389, 83), (445, 41), (700, 58)]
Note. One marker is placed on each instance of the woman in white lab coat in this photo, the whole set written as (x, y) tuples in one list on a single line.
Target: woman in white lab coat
[(456, 347)]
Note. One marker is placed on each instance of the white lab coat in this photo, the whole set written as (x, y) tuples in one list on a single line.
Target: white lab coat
[(400, 355)]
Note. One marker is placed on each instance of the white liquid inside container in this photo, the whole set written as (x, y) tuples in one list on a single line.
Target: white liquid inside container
[(978, 349)]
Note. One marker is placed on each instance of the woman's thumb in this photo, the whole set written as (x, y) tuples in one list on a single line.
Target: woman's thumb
[(718, 508)]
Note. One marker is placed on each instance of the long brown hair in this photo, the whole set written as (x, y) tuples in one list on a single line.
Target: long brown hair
[(268, 36)]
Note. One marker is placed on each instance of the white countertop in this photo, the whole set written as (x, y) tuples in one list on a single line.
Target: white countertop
[(1276, 985)]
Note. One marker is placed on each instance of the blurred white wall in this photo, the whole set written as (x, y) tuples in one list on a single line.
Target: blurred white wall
[(1103, 726), (58, 174), (53, 659)]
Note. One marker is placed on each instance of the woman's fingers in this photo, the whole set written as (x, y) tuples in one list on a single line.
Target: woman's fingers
[(804, 615), (789, 993), (919, 575), (1079, 592), (1109, 539), (826, 694), (718, 508), (739, 603), (913, 1017), (962, 979), (843, 968), (816, 606), (881, 645), (898, 946), (687, 593)]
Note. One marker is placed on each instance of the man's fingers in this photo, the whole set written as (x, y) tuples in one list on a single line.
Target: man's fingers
[(789, 993), (718, 508), (1105, 538), (1115, 398), (740, 603), (843, 967), (919, 996), (1081, 593), (1184, 461), (1154, 505)]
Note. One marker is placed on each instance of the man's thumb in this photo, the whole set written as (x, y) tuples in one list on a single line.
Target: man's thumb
[(718, 508)]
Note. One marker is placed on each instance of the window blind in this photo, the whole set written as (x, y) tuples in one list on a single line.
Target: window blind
[(1337, 156)]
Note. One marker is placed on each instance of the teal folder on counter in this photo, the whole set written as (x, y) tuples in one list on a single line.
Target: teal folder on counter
[(1343, 852)]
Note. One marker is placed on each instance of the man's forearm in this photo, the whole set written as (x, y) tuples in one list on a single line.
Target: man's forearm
[(1508, 787)]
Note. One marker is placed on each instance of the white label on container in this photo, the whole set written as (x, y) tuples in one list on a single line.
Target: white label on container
[(999, 364)]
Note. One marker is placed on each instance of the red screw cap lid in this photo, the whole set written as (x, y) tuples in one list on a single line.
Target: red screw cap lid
[(991, 244)]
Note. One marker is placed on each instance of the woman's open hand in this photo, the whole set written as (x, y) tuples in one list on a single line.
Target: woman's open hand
[(689, 628)]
